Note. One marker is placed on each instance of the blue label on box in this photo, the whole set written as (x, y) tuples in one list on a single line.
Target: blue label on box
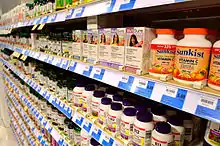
[(100, 75), (126, 85), (72, 66), (97, 135), (177, 101), (88, 72), (146, 91)]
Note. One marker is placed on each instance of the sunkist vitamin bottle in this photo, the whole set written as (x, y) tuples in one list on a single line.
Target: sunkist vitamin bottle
[(192, 56), (214, 71), (162, 53)]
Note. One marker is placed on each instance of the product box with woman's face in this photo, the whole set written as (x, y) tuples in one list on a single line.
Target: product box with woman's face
[(77, 44), (118, 48), (137, 50), (85, 51), (93, 46), (104, 46)]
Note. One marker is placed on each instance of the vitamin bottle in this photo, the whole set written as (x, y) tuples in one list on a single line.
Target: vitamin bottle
[(117, 98), (143, 126), (178, 131), (96, 101), (159, 114), (127, 122), (85, 138), (77, 94), (212, 134), (103, 110), (114, 116), (214, 71), (188, 125), (162, 53), (110, 92), (87, 98), (93, 142), (126, 103), (161, 135), (192, 57)]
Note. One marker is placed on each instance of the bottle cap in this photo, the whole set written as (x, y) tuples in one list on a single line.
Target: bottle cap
[(202, 31), (165, 31), (126, 102), (159, 111), (130, 111), (111, 91), (175, 120), (144, 116), (116, 106), (93, 142), (117, 97), (163, 127), (80, 84), (99, 94), (90, 87), (106, 101)]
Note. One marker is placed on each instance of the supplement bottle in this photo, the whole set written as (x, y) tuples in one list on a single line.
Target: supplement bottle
[(127, 122), (71, 131), (212, 134), (192, 57), (143, 126), (214, 71), (162, 55), (85, 138), (110, 92), (188, 125), (159, 114), (93, 142), (178, 131), (96, 101), (126, 103), (77, 94), (161, 135), (114, 116), (87, 98), (77, 136), (117, 98), (103, 110)]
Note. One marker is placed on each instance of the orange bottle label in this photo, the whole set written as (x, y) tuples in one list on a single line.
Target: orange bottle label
[(191, 63), (162, 58), (214, 72)]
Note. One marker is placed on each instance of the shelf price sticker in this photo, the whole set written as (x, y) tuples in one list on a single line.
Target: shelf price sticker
[(208, 107), (87, 125), (98, 73), (50, 59), (69, 14), (87, 70), (72, 66), (107, 140), (55, 135), (65, 64), (126, 82), (78, 119), (96, 132), (174, 97), (143, 87)]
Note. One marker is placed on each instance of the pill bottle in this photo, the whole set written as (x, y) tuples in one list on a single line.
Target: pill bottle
[(77, 135), (139, 107), (212, 134), (162, 55), (114, 116), (71, 130), (87, 98), (117, 98), (60, 119), (126, 103), (127, 122), (178, 131), (96, 101), (143, 126), (54, 114), (188, 125), (85, 138), (103, 110), (159, 114), (214, 71), (93, 142), (161, 135), (192, 57), (110, 92), (77, 94)]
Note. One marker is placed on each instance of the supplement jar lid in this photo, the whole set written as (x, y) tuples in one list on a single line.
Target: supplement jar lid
[(90, 87), (201, 31), (94, 142), (130, 111), (117, 97), (80, 84), (111, 90), (99, 94), (159, 111), (144, 116), (71, 125), (175, 120), (163, 127), (116, 106), (126, 102), (106, 101), (140, 108), (165, 31)]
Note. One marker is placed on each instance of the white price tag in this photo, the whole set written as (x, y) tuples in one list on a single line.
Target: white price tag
[(171, 91), (142, 83), (209, 102), (124, 79)]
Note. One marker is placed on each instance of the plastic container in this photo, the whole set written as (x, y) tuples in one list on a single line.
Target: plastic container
[(214, 72), (96, 101), (192, 57), (85, 138), (126, 103), (143, 126), (77, 94), (159, 114), (87, 98), (162, 55), (178, 131), (114, 116), (188, 125), (103, 110), (93, 142), (77, 135), (110, 92), (161, 135), (127, 122), (117, 98), (212, 134)]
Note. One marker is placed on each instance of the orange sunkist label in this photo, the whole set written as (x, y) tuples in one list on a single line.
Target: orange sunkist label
[(214, 72), (162, 58), (191, 63)]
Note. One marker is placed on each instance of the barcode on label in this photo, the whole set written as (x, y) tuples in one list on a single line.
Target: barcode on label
[(208, 102)]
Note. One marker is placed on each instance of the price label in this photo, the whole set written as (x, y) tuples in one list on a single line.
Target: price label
[(69, 14), (96, 132), (144, 88), (87, 125), (87, 70), (72, 66), (65, 64), (50, 59), (107, 140), (78, 119), (99, 73), (126, 82)]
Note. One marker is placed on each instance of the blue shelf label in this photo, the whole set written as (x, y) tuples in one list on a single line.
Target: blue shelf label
[(87, 126), (96, 133), (46, 58), (126, 82), (59, 62), (61, 141), (79, 120), (70, 13), (45, 19), (65, 64), (144, 88), (87, 71), (107, 141), (50, 60), (174, 97), (79, 13), (50, 130), (99, 74), (127, 6), (72, 66)]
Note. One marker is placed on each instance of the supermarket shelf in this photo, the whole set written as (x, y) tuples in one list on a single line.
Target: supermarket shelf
[(203, 103), (44, 121), (92, 9), (97, 133)]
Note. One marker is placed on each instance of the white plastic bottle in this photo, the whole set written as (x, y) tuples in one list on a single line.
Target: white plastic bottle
[(127, 122), (117, 98), (143, 126), (159, 114), (87, 98), (188, 125), (103, 110), (126, 103), (212, 134), (85, 138), (114, 116), (161, 135), (96, 101), (77, 94), (110, 92), (163, 50), (192, 57), (178, 131)]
